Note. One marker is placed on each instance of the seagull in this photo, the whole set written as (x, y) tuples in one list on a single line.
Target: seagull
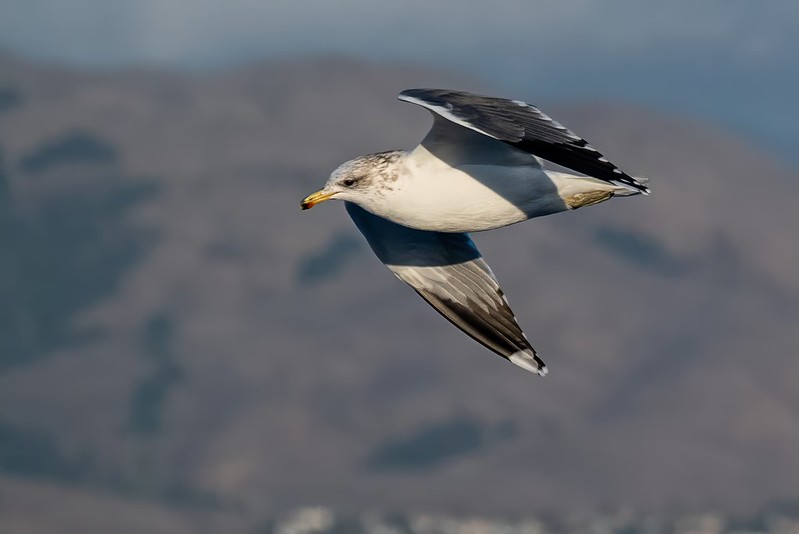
[(480, 167)]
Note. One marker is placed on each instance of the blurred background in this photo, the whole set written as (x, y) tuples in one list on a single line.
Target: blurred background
[(183, 350)]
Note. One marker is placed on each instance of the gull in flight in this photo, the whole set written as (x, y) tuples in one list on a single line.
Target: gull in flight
[(479, 168)]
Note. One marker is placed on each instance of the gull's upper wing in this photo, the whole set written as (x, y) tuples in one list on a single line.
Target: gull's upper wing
[(521, 126), (448, 272)]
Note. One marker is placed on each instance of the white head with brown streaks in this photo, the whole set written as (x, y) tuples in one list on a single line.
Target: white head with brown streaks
[(364, 180)]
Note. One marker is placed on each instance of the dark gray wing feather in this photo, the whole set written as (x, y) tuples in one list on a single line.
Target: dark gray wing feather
[(448, 272), (524, 127)]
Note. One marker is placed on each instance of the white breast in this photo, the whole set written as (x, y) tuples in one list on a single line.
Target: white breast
[(432, 195)]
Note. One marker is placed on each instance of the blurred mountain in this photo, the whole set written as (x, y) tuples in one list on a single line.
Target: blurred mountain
[(180, 344)]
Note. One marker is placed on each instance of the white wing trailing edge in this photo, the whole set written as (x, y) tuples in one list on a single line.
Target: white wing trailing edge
[(523, 127)]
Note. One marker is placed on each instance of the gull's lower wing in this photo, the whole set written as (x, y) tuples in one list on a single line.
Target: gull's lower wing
[(448, 272), (522, 126)]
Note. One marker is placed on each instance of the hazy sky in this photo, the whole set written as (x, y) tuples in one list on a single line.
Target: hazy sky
[(733, 61)]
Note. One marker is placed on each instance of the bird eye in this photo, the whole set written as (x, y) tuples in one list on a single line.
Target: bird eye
[(349, 182)]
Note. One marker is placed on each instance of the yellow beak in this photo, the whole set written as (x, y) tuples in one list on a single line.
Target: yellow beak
[(313, 199)]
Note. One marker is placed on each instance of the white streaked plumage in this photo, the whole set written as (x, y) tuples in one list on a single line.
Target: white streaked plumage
[(479, 168)]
